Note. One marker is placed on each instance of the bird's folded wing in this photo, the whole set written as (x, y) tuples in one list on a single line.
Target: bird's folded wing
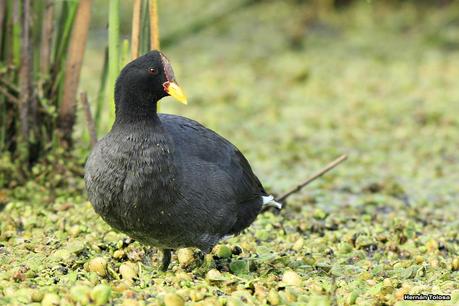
[(210, 162)]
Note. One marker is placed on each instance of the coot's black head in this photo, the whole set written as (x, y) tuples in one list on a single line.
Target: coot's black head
[(146, 80)]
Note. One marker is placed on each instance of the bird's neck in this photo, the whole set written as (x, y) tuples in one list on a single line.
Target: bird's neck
[(132, 111), (143, 138)]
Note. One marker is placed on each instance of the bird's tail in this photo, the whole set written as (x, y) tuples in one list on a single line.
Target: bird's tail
[(268, 201)]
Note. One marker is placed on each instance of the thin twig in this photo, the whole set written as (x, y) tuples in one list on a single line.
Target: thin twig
[(316, 175), (8, 84), (89, 119), (9, 96)]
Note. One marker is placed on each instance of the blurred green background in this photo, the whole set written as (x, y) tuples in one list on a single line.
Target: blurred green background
[(294, 83)]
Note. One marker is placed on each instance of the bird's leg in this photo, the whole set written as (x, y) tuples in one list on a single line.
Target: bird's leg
[(148, 254), (200, 258), (166, 259)]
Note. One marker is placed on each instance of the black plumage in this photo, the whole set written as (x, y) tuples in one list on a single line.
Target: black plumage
[(166, 180)]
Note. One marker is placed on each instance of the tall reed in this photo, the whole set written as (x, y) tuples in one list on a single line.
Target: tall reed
[(34, 44), (72, 70), (113, 48), (41, 52), (144, 23)]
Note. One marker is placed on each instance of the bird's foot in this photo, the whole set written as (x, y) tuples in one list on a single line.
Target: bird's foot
[(167, 253), (200, 256)]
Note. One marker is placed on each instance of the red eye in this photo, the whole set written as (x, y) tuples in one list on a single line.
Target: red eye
[(153, 71)]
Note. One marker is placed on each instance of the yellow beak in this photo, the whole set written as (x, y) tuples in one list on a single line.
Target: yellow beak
[(175, 91)]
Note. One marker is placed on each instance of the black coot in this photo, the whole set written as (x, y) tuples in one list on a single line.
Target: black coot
[(166, 180)]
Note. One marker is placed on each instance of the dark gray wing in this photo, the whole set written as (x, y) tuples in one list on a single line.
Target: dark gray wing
[(214, 175)]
